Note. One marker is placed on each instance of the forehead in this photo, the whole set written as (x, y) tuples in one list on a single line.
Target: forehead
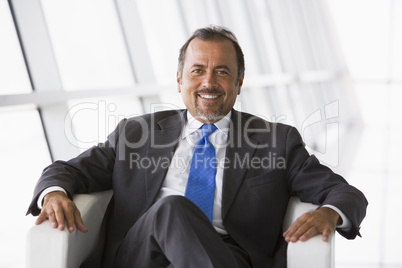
[(210, 52)]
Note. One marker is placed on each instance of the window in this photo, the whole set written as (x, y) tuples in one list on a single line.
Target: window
[(23, 155), (88, 44), (13, 75)]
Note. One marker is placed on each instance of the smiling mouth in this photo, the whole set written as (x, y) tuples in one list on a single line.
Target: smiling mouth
[(208, 97)]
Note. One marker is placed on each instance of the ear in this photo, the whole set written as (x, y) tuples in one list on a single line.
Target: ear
[(178, 79), (240, 83)]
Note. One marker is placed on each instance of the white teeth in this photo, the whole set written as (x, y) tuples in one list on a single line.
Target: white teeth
[(209, 96)]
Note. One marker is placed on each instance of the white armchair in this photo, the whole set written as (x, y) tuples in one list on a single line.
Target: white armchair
[(314, 252), (49, 248)]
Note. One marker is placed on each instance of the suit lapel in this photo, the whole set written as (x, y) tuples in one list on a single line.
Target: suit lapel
[(238, 150), (163, 141)]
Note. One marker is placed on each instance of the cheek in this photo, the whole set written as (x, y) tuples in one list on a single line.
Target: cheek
[(234, 91), (232, 96), (188, 86), (187, 96)]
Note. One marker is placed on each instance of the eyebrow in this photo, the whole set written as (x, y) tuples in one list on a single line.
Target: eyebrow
[(217, 67), (223, 67), (198, 66)]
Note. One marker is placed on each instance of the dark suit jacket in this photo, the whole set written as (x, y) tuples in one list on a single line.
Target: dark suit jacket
[(267, 163)]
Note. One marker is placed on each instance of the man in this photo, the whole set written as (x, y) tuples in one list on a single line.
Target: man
[(255, 165)]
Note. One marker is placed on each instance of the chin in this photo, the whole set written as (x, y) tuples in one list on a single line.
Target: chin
[(209, 117)]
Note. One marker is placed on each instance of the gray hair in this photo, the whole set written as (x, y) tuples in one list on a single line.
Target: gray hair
[(214, 33)]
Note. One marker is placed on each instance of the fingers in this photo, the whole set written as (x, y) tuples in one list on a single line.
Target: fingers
[(41, 218), (303, 234), (58, 221), (311, 224), (69, 212), (325, 235), (298, 230), (59, 209), (72, 216), (79, 223), (308, 234), (54, 215)]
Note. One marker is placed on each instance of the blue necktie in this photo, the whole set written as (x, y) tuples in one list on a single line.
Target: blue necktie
[(201, 179)]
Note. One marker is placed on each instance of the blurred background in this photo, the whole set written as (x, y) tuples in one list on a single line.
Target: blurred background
[(70, 70)]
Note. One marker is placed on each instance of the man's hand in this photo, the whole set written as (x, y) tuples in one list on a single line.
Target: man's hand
[(321, 221), (58, 208)]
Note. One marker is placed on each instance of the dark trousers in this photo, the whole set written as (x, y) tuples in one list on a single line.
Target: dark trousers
[(176, 233)]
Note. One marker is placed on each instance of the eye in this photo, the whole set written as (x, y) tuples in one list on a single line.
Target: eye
[(196, 71), (222, 72)]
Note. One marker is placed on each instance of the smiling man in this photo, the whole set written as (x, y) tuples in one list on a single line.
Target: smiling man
[(223, 206), (210, 81)]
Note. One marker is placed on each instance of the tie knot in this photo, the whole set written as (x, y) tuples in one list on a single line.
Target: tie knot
[(208, 129)]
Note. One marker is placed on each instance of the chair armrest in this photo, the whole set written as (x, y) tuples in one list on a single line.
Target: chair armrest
[(314, 252), (49, 247)]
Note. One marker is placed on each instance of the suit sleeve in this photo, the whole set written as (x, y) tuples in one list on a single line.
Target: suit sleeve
[(90, 171), (316, 183)]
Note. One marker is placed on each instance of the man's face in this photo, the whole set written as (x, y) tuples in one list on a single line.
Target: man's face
[(209, 84)]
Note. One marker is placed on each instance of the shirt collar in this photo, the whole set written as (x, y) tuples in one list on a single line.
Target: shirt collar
[(192, 125)]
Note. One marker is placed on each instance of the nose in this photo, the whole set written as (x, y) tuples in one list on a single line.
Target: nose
[(209, 80)]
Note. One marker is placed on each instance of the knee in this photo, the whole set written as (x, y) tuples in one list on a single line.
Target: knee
[(169, 208), (172, 201), (174, 205)]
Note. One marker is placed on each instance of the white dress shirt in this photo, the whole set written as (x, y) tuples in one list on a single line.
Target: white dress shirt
[(176, 178)]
